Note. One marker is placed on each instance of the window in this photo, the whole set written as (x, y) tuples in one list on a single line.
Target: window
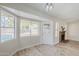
[(7, 26), (24, 28), (29, 28), (34, 28)]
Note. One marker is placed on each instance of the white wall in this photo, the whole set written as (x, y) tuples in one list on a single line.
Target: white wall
[(46, 36), (73, 31)]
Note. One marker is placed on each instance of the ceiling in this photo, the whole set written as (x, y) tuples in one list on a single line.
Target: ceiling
[(64, 11)]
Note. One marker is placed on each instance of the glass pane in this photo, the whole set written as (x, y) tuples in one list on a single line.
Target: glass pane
[(25, 28), (34, 28), (7, 25), (7, 34), (7, 21)]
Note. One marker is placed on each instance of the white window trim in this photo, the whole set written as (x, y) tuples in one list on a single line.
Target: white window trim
[(8, 27)]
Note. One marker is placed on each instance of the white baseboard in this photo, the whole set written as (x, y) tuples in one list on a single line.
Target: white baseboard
[(11, 54), (24, 48), (4, 54)]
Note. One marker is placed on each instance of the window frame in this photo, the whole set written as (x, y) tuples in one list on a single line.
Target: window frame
[(27, 19), (14, 22)]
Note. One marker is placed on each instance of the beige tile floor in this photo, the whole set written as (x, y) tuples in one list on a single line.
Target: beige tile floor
[(70, 48)]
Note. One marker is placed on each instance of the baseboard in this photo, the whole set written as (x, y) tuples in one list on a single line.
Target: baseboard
[(56, 43), (4, 54), (24, 48), (11, 54)]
